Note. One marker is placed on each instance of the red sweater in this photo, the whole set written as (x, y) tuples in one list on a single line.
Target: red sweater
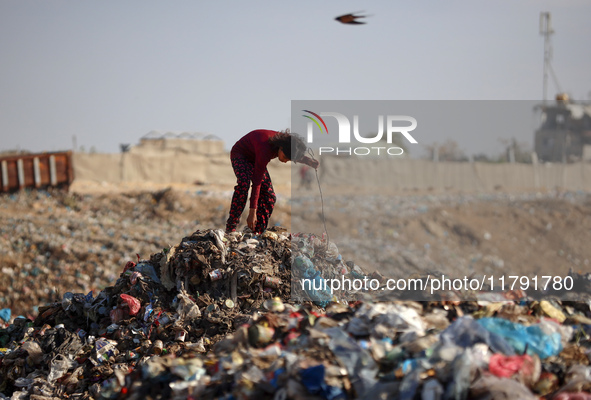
[(256, 149)]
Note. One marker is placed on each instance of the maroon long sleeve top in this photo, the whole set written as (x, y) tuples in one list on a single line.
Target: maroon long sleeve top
[(256, 149)]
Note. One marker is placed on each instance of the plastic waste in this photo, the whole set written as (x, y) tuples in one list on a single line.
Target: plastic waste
[(409, 385), (551, 311), (358, 326), (506, 366), (34, 351), (313, 284), (186, 308), (359, 363), (577, 378), (463, 367), (466, 332), (67, 301), (59, 367), (394, 317), (572, 396), (432, 390), (521, 337), (332, 252), (549, 327), (253, 344), (305, 266), (313, 380), (304, 245), (147, 270), (494, 388), (103, 350), (5, 314), (133, 304)]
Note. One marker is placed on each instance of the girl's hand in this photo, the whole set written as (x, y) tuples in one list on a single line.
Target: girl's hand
[(251, 221)]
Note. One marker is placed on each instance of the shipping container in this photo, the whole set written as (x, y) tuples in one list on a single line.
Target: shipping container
[(41, 170)]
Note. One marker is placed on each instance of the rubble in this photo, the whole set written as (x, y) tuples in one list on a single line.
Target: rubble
[(213, 317)]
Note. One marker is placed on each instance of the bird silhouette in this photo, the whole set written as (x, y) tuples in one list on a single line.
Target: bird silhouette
[(350, 19)]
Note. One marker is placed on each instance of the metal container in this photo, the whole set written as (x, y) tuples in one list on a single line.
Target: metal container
[(158, 346), (272, 282), (215, 275), (180, 336)]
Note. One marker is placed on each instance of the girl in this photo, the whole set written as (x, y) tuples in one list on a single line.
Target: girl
[(250, 156)]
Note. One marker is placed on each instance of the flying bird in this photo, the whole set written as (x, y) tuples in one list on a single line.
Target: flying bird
[(350, 19)]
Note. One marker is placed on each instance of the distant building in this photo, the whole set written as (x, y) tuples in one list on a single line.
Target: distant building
[(186, 142), (565, 132)]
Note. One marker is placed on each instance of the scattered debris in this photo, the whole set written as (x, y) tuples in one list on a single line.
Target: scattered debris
[(213, 317)]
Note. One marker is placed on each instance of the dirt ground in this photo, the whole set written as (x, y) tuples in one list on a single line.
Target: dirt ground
[(52, 243), (458, 234)]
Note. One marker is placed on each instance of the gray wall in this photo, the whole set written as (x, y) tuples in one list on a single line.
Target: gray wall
[(406, 174)]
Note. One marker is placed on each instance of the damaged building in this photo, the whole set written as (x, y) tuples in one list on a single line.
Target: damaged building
[(565, 131)]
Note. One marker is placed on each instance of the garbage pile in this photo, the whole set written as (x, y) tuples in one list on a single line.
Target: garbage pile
[(53, 242), (212, 317)]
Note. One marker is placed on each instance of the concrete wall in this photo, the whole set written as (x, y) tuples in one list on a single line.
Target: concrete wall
[(427, 175), (395, 174), (162, 168)]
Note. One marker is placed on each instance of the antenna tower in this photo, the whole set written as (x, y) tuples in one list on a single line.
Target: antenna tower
[(546, 31)]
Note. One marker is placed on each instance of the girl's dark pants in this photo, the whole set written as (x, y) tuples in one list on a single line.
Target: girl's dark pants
[(244, 171)]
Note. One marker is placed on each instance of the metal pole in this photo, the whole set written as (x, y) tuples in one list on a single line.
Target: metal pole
[(546, 31)]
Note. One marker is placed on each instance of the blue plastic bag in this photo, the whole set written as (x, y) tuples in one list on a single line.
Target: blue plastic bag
[(313, 284), (313, 381), (521, 337), (5, 314), (466, 332)]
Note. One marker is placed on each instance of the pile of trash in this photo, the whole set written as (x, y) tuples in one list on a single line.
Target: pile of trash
[(55, 242), (214, 317)]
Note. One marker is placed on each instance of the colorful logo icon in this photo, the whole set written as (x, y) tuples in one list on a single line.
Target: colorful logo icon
[(316, 120)]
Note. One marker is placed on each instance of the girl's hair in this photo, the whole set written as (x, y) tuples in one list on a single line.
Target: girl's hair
[(291, 144)]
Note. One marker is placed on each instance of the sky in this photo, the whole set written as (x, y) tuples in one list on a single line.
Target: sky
[(109, 72)]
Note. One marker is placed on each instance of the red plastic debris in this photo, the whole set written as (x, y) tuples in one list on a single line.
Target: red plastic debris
[(130, 264), (133, 303), (506, 366)]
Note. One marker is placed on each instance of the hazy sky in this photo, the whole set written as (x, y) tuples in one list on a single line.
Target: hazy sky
[(109, 72)]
